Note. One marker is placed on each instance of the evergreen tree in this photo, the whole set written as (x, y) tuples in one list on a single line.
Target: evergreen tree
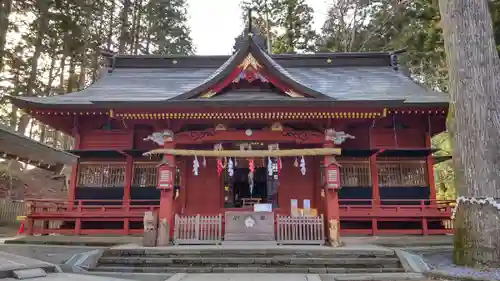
[(5, 11), (168, 30), (288, 23), (296, 17)]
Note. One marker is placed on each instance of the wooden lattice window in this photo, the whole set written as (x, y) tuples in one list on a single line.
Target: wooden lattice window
[(355, 173), (400, 173), (144, 174), (101, 174)]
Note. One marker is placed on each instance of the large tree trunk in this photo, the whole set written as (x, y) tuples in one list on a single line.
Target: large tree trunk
[(5, 10), (474, 67), (124, 27)]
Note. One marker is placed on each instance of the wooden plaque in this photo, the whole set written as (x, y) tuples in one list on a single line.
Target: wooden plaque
[(249, 226)]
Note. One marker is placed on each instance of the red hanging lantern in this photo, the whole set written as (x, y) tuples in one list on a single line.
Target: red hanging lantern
[(165, 177), (332, 176)]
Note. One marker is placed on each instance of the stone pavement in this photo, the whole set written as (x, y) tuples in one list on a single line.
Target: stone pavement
[(96, 241), (67, 276), (46, 253), (108, 241), (245, 277), (14, 262)]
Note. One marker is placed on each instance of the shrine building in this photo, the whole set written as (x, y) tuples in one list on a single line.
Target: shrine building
[(338, 139)]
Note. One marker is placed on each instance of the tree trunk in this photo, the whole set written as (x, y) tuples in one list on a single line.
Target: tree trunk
[(124, 29), (43, 133), (474, 67), (109, 43), (5, 10), (13, 117), (137, 27), (72, 77), (43, 9)]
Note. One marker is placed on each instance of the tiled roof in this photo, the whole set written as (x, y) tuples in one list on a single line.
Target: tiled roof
[(329, 77)]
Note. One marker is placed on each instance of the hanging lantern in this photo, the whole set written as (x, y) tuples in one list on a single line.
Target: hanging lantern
[(332, 176), (165, 177), (204, 163), (296, 163)]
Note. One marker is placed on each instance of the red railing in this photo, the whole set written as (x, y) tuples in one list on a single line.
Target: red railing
[(394, 211), (75, 213)]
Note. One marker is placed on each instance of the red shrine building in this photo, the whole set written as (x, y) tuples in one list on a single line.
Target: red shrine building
[(339, 138)]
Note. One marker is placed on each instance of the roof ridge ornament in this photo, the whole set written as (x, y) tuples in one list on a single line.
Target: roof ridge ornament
[(249, 28)]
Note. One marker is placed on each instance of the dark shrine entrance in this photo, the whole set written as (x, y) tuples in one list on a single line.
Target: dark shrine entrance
[(247, 192)]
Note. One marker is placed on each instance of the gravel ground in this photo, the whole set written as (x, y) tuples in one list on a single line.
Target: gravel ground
[(52, 254), (442, 261)]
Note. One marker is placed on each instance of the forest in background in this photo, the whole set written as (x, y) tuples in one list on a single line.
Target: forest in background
[(52, 47)]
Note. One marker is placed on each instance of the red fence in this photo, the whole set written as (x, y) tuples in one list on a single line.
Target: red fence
[(368, 217), (73, 214), (435, 213)]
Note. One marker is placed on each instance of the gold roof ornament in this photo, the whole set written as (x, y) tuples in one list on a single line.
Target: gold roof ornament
[(250, 60), (293, 94), (208, 94)]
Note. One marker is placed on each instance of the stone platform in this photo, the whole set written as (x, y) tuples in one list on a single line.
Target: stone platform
[(10, 263), (109, 241)]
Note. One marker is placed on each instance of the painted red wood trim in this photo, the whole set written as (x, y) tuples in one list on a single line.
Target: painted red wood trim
[(74, 170), (166, 195), (427, 210), (184, 184), (375, 189), (279, 84), (226, 81), (211, 135), (332, 211), (430, 169), (129, 168)]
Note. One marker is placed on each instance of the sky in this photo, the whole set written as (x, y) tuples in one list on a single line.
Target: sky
[(215, 23)]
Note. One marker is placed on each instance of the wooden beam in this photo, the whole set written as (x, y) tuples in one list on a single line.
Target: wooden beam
[(211, 135)]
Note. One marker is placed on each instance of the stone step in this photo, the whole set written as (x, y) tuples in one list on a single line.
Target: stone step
[(239, 261), (322, 252), (208, 269), (402, 276)]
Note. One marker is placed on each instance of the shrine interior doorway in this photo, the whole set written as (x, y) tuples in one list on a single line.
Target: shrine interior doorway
[(245, 192)]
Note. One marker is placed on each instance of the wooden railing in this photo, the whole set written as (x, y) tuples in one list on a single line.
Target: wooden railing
[(198, 229), (81, 216), (300, 230), (401, 210), (75, 213), (10, 210)]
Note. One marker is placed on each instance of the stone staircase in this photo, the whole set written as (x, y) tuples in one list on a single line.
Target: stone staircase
[(283, 259)]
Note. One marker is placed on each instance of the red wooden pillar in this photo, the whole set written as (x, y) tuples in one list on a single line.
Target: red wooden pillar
[(375, 190), (332, 212), (166, 175), (74, 169), (430, 170), (126, 192)]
